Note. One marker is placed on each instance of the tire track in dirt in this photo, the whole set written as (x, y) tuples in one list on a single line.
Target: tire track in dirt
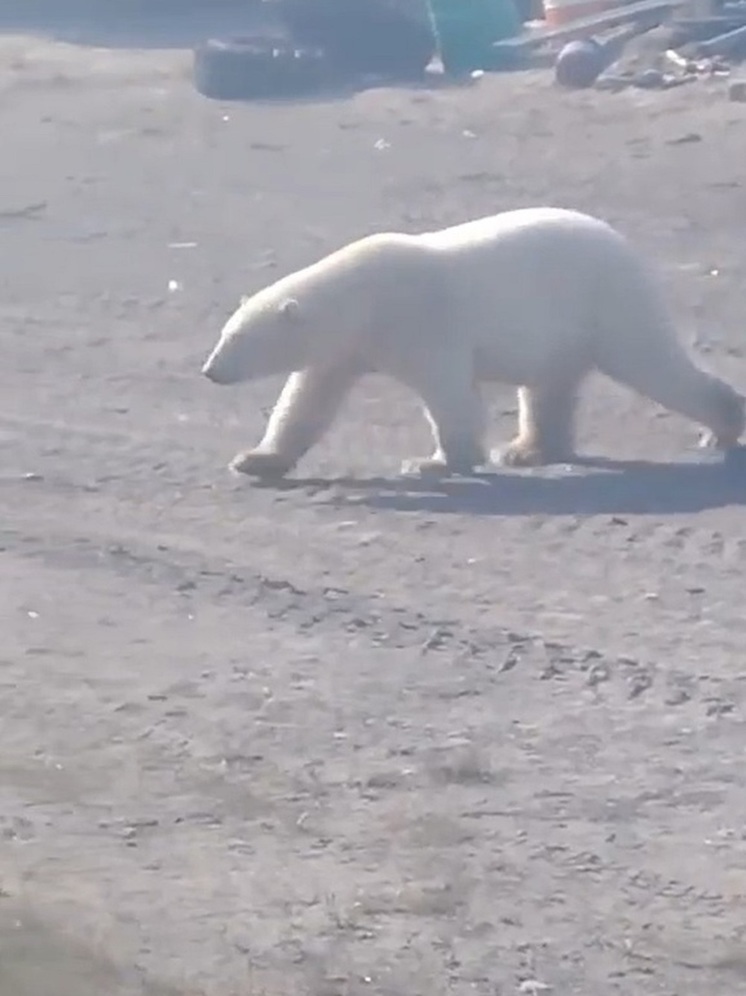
[(434, 729), (367, 618)]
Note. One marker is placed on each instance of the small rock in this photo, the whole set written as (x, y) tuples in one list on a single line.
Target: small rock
[(685, 139), (737, 91)]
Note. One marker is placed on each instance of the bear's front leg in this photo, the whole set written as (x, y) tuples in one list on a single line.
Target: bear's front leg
[(304, 411), (546, 426), (258, 463), (455, 411)]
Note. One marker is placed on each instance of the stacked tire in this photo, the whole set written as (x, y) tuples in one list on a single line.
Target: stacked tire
[(388, 38), (317, 43), (255, 68)]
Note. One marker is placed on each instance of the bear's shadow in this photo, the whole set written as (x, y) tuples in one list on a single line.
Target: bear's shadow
[(592, 486)]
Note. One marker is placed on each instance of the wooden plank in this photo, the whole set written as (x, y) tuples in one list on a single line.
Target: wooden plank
[(586, 25), (730, 42)]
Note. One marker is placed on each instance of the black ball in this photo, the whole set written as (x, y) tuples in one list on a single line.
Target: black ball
[(579, 63)]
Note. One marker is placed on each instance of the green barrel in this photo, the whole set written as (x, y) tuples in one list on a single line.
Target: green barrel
[(466, 29)]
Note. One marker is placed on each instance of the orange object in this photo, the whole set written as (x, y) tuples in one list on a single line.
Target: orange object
[(559, 13)]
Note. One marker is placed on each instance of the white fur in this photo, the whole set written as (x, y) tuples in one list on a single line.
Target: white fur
[(536, 298)]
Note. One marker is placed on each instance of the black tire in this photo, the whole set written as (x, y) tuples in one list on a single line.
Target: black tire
[(389, 38), (257, 67)]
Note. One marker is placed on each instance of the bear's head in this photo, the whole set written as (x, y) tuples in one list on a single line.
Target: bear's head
[(263, 336), (310, 316)]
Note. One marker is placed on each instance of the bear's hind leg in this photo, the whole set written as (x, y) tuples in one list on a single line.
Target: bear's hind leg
[(455, 411), (546, 425), (303, 412), (639, 346), (669, 377)]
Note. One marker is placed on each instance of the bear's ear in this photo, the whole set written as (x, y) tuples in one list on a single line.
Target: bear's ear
[(290, 309), (245, 298)]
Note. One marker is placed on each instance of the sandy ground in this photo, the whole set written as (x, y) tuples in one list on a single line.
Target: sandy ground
[(351, 737)]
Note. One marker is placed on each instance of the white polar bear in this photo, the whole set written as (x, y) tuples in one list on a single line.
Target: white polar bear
[(537, 298)]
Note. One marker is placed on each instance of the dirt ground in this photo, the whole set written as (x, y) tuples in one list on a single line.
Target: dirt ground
[(351, 736)]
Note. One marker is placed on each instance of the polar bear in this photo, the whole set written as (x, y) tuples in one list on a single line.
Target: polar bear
[(536, 298)]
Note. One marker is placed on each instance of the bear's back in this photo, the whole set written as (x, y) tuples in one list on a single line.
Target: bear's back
[(523, 286), (528, 255), (535, 227)]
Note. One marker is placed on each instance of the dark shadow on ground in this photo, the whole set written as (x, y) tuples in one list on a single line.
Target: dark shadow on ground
[(593, 486), (36, 960)]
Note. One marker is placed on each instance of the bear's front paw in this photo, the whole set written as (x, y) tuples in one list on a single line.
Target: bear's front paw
[(434, 468), (527, 453), (424, 467), (257, 463), (710, 440)]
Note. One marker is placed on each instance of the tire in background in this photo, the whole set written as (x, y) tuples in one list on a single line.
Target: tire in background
[(256, 67), (391, 38)]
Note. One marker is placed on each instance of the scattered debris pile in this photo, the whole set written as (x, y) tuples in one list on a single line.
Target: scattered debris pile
[(304, 46), (681, 51), (676, 50), (300, 47)]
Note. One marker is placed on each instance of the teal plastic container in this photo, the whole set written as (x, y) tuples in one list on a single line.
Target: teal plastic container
[(466, 30)]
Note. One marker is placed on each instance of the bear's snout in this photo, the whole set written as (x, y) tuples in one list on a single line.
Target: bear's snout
[(211, 369)]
